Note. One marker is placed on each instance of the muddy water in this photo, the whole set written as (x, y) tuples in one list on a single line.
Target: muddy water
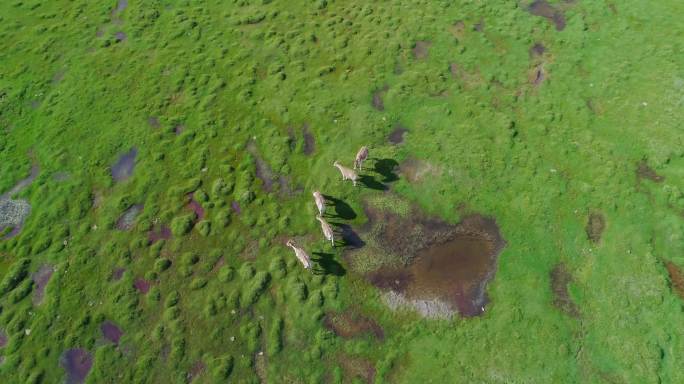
[(123, 168), (111, 332), (127, 219), (40, 281), (437, 267), (76, 363), (544, 9)]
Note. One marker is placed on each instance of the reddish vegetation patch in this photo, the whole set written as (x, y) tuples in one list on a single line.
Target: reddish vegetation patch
[(142, 285), (77, 363), (117, 273), (111, 332), (644, 171), (595, 226), (676, 278), (350, 324), (40, 280), (544, 9), (378, 102), (560, 278), (421, 49), (163, 232), (357, 368), (196, 370), (397, 134), (196, 207)]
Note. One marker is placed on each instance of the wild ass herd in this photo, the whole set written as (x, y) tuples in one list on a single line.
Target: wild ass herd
[(347, 174)]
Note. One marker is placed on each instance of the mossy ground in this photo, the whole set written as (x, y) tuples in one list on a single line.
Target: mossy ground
[(538, 141)]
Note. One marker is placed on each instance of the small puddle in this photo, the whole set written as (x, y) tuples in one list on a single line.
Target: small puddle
[(40, 281), (111, 332), (544, 9), (349, 325), (397, 135), (378, 95), (595, 226), (123, 168), (560, 278), (142, 285), (163, 232), (645, 172), (127, 219), (421, 50), (76, 363), (676, 278), (309, 141)]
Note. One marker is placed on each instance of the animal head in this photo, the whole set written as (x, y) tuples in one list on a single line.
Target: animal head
[(316, 193), (318, 217), (290, 243), (336, 163)]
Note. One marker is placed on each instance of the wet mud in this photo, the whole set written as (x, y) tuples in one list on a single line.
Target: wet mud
[(543, 9), (350, 325), (397, 135), (309, 141), (645, 172), (595, 226), (76, 363), (124, 166), (560, 279), (438, 268), (3, 339), (40, 281)]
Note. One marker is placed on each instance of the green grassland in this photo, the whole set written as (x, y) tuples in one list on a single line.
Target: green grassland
[(539, 156)]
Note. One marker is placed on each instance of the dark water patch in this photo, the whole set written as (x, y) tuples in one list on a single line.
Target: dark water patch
[(350, 324), (309, 141), (123, 168), (153, 122), (162, 232), (40, 281), (676, 278), (595, 226), (120, 36), (437, 265), (645, 172), (142, 285), (544, 9), (196, 207), (537, 49), (120, 7), (378, 95), (111, 331), (235, 206), (560, 278), (421, 49), (76, 363), (3, 338), (127, 219), (397, 134), (196, 370), (117, 273)]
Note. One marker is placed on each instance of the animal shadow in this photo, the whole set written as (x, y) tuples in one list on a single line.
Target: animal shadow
[(387, 168), (328, 264), (342, 209), (370, 182)]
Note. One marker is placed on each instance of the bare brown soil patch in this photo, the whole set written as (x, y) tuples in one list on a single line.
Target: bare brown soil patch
[(397, 135), (595, 226), (351, 324), (309, 141), (421, 49), (544, 9), (378, 95), (560, 278), (676, 278), (645, 172), (357, 368)]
